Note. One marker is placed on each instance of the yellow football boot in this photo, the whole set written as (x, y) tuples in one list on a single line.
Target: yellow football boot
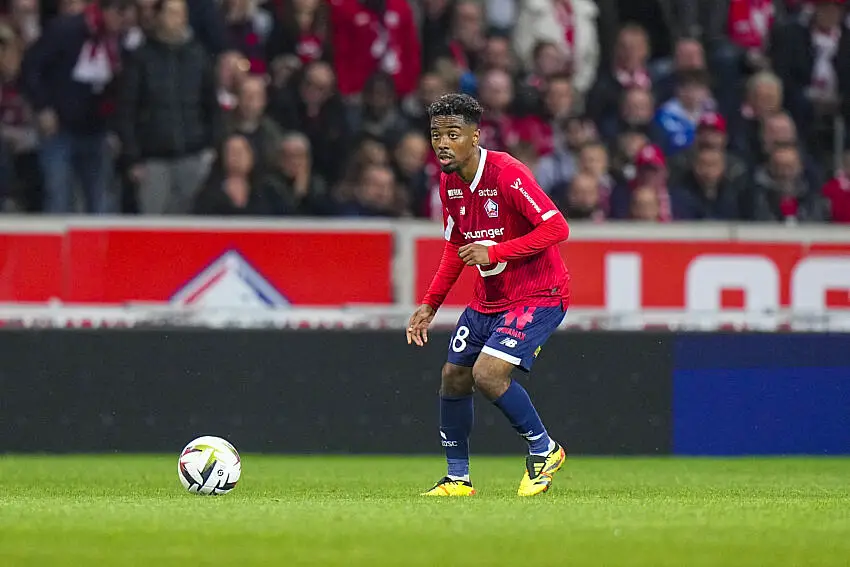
[(450, 487), (539, 470)]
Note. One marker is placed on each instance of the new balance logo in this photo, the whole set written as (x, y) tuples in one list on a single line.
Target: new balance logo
[(510, 343)]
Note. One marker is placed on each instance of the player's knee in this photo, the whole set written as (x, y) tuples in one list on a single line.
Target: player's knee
[(456, 380), (490, 379)]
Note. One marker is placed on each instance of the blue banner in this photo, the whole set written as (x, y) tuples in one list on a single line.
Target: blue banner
[(761, 394)]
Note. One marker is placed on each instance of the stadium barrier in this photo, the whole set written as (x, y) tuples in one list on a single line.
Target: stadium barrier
[(80, 271), (638, 393)]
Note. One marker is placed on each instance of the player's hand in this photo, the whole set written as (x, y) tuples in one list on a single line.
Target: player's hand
[(474, 255), (417, 329)]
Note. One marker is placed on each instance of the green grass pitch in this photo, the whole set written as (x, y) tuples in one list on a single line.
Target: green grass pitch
[(351, 511)]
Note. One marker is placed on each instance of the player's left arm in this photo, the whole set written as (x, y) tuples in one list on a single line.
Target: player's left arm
[(525, 196)]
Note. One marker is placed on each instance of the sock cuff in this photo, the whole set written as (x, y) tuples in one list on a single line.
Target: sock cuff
[(511, 386), (455, 398)]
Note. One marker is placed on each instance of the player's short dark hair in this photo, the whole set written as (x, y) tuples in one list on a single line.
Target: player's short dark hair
[(456, 104)]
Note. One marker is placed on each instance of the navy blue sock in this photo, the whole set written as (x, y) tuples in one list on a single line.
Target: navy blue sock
[(517, 407), (456, 415)]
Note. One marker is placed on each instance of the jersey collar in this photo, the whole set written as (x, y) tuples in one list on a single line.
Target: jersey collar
[(479, 172)]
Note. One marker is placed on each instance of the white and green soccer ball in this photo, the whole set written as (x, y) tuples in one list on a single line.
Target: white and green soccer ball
[(209, 465)]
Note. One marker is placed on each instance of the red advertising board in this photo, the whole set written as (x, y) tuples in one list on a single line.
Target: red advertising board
[(632, 274), (120, 265)]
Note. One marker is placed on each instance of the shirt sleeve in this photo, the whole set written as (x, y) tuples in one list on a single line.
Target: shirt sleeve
[(451, 265), (525, 196)]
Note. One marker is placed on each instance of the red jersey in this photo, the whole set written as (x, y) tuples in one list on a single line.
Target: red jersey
[(503, 208)]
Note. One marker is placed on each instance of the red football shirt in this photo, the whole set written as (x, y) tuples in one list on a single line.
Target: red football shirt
[(502, 203)]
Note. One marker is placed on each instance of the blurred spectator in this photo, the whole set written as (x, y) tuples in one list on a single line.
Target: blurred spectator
[(526, 153), (781, 191), (593, 160), (628, 69), (583, 200), (375, 194), (497, 54), (711, 133), (300, 35), (763, 99), (713, 195), (207, 24), (249, 120), (249, 27), (644, 205), (67, 74), (688, 56), (315, 108), (679, 116), (371, 36), (25, 21), (437, 20), (739, 45), (837, 192), (232, 188), (169, 115), (232, 68), (18, 132), (498, 126), (291, 186), (415, 107), (626, 148), (379, 114), (637, 110), (650, 171), (568, 24), (409, 160), (804, 54), (461, 42), (558, 168)]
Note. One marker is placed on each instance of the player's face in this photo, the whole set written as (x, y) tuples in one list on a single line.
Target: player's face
[(454, 141)]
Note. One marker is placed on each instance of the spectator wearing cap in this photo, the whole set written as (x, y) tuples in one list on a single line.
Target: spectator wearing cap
[(169, 117), (570, 25), (679, 116), (805, 54), (650, 171), (781, 192), (711, 133), (374, 35), (837, 192), (67, 76)]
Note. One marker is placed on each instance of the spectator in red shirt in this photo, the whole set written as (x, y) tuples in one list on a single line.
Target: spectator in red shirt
[(374, 35)]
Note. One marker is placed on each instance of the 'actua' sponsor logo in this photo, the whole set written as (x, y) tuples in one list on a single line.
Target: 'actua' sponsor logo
[(488, 233)]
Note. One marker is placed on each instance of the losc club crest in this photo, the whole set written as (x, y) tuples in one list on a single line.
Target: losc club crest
[(491, 208)]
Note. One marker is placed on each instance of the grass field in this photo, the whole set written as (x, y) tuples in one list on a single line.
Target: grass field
[(346, 511)]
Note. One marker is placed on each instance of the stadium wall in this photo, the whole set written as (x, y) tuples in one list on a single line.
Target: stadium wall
[(368, 392)]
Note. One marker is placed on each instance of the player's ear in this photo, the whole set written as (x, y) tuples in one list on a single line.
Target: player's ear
[(476, 135)]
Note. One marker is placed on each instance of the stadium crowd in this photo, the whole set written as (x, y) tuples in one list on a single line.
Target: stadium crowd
[(654, 110)]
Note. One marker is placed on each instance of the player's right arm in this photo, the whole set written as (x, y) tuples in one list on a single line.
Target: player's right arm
[(447, 274)]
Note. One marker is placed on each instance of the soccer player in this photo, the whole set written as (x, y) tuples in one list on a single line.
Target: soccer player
[(497, 219)]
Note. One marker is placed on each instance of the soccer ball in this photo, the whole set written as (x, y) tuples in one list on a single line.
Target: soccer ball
[(209, 465)]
